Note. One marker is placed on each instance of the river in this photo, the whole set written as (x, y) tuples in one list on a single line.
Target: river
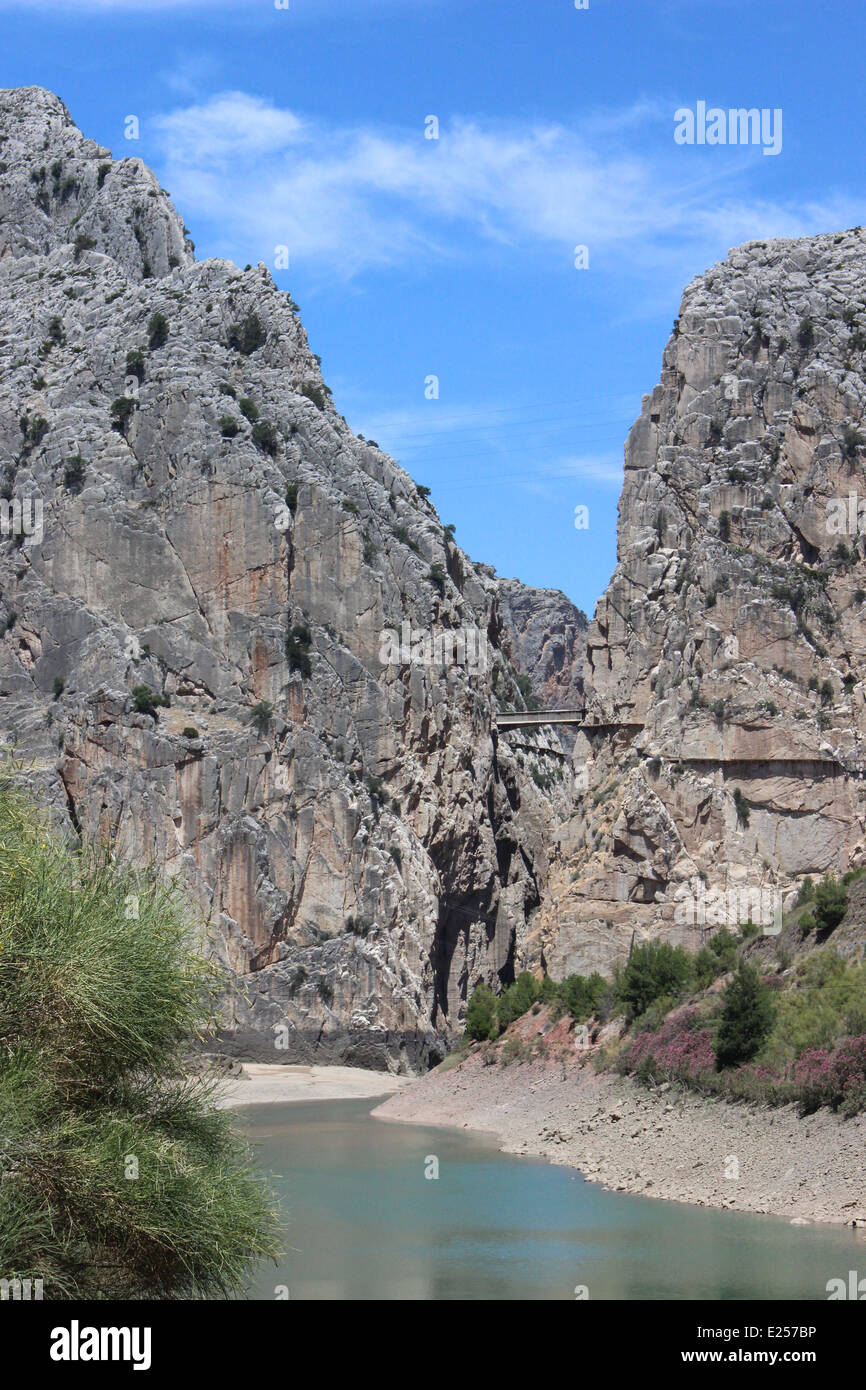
[(363, 1221)]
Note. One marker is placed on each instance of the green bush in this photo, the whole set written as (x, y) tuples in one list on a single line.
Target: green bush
[(135, 365), (830, 904), (74, 471), (98, 1007), (298, 643), (157, 330), (229, 426), (247, 336), (248, 409), (806, 893), (265, 437), (315, 393), (524, 685), (34, 430), (82, 243), (741, 806), (724, 946), (437, 577), (121, 412), (654, 969), (146, 701), (583, 995), (481, 1019), (517, 998), (261, 715)]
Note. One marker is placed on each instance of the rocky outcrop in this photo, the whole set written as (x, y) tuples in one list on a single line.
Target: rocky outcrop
[(548, 636), (217, 642), (725, 660)]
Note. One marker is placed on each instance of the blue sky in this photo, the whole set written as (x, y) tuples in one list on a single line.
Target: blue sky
[(410, 258)]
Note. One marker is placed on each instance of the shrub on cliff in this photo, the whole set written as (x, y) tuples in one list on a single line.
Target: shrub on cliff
[(298, 643), (747, 1017), (830, 904), (119, 1177), (157, 330), (265, 437), (146, 701), (122, 411), (247, 336)]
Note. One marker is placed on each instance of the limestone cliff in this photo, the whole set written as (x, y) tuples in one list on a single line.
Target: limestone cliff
[(217, 638), (725, 661)]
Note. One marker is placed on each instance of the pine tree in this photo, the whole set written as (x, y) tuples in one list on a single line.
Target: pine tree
[(747, 1017)]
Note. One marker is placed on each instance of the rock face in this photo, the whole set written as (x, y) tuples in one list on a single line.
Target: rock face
[(725, 661), (326, 781), (549, 639)]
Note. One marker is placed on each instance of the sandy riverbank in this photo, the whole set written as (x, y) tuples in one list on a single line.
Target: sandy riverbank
[(670, 1143), (268, 1083)]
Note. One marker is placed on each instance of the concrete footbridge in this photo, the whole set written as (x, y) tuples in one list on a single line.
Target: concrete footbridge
[(535, 718)]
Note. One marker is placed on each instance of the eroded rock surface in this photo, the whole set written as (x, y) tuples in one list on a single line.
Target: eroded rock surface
[(362, 845), (725, 661)]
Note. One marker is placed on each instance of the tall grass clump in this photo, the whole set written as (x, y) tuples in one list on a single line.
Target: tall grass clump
[(118, 1176)]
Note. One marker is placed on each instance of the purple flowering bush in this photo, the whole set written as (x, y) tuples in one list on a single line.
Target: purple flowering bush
[(833, 1076), (680, 1050)]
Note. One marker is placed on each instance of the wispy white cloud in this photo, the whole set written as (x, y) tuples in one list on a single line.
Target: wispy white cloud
[(228, 127), (605, 469), (351, 197)]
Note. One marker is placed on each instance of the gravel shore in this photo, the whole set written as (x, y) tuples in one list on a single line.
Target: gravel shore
[(665, 1143)]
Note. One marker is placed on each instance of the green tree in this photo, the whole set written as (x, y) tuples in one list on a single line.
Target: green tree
[(830, 904), (724, 947), (120, 1178), (747, 1017), (655, 969), (481, 1020), (517, 998), (582, 994)]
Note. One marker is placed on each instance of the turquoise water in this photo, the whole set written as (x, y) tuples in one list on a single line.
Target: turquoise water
[(363, 1222)]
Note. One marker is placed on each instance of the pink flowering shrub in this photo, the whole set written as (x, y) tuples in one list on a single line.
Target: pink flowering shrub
[(678, 1051), (834, 1076)]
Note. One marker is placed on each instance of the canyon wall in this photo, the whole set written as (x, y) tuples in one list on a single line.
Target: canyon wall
[(216, 646), (723, 757)]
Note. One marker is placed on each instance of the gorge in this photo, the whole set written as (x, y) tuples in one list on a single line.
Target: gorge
[(191, 659)]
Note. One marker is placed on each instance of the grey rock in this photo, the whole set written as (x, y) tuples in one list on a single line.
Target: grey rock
[(361, 847)]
